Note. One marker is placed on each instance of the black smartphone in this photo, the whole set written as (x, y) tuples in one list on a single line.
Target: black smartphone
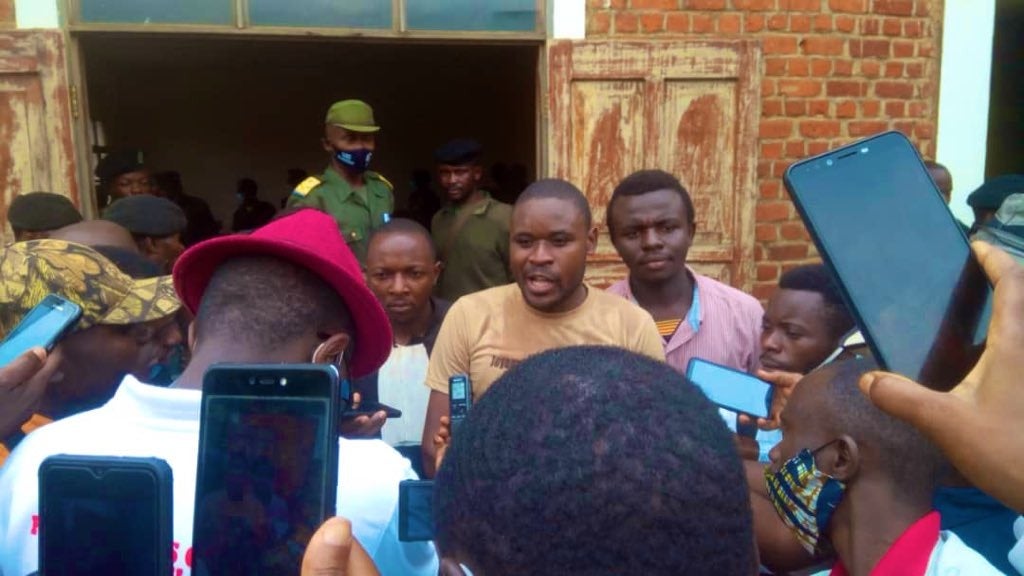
[(460, 399), (730, 388), (903, 263), (44, 325), (105, 515), (369, 408), (268, 466), (415, 510)]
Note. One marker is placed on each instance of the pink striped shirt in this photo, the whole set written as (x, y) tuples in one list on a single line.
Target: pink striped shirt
[(728, 326)]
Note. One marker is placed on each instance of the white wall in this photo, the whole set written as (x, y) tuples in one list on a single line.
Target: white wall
[(37, 13), (964, 96)]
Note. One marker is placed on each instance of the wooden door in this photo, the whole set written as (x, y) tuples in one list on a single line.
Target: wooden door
[(36, 146), (688, 107)]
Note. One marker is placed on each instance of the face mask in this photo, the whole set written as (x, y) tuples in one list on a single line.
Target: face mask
[(805, 498), (357, 160)]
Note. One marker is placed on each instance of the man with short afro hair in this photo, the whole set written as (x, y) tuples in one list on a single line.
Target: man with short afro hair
[(578, 461)]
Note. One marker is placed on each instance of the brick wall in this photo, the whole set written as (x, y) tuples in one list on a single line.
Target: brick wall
[(7, 19), (834, 71)]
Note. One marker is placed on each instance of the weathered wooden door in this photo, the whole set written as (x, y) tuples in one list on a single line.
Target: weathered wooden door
[(36, 147), (688, 107)]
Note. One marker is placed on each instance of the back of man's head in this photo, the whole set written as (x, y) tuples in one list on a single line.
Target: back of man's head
[(594, 460)]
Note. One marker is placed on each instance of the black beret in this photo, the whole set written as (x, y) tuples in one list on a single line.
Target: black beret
[(459, 151), (116, 163), (991, 194), (41, 212), (146, 215)]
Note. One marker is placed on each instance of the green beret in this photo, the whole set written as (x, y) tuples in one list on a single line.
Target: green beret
[(42, 212), (146, 215), (990, 195), (458, 152), (116, 163)]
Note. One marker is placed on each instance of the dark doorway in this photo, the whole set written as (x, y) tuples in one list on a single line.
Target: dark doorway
[(1005, 152)]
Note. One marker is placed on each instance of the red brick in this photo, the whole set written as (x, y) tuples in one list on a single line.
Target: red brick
[(845, 23), (600, 23), (817, 147), (777, 22), (875, 48), (799, 67), (799, 87), (895, 7), (677, 22), (844, 88), (902, 49), (764, 290), (771, 107), (729, 24), (870, 108), (916, 109), (766, 232), (923, 10), (817, 108), (787, 252), (823, 45), (771, 150), (764, 168), (870, 26), (905, 126), (780, 45), (626, 22), (842, 67), (753, 23), (893, 69), (793, 231), (864, 128), (652, 22), (702, 24), (654, 4), (925, 49), (795, 149), (800, 23), (823, 23), (901, 90), (779, 168), (924, 130), (767, 87), (846, 109), (895, 109), (773, 211), (820, 67), (855, 6), (796, 107), (892, 27), (915, 70), (870, 68), (703, 4), (776, 128), (775, 66), (800, 5), (819, 128), (912, 29), (767, 272), (754, 4)]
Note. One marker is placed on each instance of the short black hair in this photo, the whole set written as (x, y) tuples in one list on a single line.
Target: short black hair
[(405, 226), (594, 460), (933, 165), (645, 181), (561, 190), (131, 263), (266, 302), (818, 278), (913, 464)]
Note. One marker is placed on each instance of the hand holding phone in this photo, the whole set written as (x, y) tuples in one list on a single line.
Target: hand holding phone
[(44, 325), (731, 389), (23, 382)]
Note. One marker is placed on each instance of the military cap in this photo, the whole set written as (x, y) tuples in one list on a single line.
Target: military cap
[(354, 115), (990, 195), (41, 212), (29, 271), (146, 215), (459, 151), (116, 163)]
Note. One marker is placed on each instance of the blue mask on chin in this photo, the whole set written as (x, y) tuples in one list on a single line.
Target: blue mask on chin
[(357, 160)]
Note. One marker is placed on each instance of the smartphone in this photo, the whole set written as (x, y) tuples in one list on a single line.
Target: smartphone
[(415, 510), (370, 408), (460, 399), (105, 515), (44, 325), (730, 388), (903, 263), (268, 465)]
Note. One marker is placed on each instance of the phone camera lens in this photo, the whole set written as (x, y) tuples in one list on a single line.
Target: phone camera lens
[(284, 381), (829, 162)]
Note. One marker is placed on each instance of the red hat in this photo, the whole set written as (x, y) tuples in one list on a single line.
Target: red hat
[(310, 239)]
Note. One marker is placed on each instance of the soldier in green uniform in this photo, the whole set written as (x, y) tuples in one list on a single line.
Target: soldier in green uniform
[(471, 230), (359, 200)]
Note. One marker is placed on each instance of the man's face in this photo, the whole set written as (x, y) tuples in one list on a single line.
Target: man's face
[(459, 182), (794, 333), (155, 339), (548, 253), (804, 419), (401, 272), (164, 251), (133, 184), (337, 138), (652, 233)]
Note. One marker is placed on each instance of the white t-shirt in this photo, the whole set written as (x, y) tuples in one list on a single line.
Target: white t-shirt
[(400, 385), (1017, 552), (149, 421)]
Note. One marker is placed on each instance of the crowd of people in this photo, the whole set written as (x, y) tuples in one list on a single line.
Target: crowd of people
[(586, 450)]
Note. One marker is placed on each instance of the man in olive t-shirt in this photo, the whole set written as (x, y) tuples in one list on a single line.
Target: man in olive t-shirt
[(488, 332)]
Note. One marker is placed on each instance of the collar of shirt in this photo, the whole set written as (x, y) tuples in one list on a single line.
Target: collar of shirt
[(332, 178), (479, 209), (695, 316), (909, 554), (439, 310)]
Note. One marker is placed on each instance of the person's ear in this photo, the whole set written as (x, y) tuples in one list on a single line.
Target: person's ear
[(438, 266), (477, 173), (326, 145), (592, 240), (329, 350), (844, 459), (192, 336)]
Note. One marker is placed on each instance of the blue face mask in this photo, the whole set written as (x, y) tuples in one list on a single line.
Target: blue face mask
[(805, 498), (357, 160)]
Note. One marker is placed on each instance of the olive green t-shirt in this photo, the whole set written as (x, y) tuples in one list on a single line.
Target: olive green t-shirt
[(477, 258)]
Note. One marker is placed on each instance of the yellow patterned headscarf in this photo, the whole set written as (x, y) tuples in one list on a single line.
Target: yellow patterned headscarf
[(31, 270)]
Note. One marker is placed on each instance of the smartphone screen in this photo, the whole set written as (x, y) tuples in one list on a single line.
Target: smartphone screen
[(415, 510), (459, 399), (268, 467), (731, 389), (902, 261), (102, 515), (42, 326)]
